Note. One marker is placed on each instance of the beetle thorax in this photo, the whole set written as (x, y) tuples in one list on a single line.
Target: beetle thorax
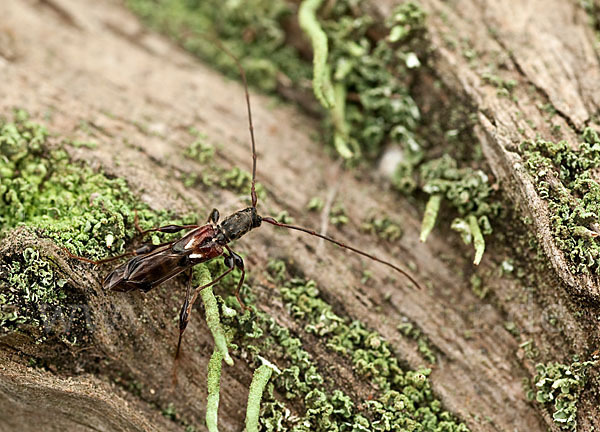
[(239, 223)]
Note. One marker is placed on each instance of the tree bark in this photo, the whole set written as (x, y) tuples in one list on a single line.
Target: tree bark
[(81, 61)]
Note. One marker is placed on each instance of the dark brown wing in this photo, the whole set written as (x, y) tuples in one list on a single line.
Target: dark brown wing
[(144, 272)]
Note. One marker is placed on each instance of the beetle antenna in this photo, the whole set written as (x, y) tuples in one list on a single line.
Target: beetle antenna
[(329, 239), (250, 126)]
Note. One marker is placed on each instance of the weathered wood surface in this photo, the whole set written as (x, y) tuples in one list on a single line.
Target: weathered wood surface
[(548, 48), (84, 60)]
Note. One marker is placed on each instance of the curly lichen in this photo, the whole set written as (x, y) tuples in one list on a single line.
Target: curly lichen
[(565, 178), (372, 76), (558, 386)]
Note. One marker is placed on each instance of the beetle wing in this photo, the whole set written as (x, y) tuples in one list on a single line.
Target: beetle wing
[(146, 271)]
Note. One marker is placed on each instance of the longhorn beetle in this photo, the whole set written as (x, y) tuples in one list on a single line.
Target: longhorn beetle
[(155, 264)]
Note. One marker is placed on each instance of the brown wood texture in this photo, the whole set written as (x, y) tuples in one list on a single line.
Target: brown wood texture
[(91, 61)]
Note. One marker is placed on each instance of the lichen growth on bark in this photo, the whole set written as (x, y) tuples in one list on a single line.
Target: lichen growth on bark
[(559, 386), (565, 177), (403, 399)]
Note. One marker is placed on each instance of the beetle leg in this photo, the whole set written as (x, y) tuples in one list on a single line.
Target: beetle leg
[(170, 229), (239, 263), (237, 291), (184, 313), (186, 308)]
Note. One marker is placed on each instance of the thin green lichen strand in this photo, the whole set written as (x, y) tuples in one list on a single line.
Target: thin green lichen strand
[(566, 179), (257, 387), (558, 386), (203, 277), (430, 215), (307, 17), (213, 385)]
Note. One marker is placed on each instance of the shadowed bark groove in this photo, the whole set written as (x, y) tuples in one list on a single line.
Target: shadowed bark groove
[(140, 95)]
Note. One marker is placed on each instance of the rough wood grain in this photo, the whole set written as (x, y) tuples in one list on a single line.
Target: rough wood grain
[(141, 94)]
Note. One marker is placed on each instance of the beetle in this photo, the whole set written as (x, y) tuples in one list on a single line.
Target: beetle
[(152, 265)]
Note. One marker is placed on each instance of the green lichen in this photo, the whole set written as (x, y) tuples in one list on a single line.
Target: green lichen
[(478, 287), (371, 104), (411, 331), (307, 17), (504, 86), (558, 386), (382, 226), (315, 204), (213, 386), (430, 215), (234, 179), (170, 412), (565, 179), (257, 387), (253, 30), (466, 190), (338, 215), (203, 277), (200, 150), (372, 75), (403, 399), (83, 210), (239, 181), (31, 290)]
